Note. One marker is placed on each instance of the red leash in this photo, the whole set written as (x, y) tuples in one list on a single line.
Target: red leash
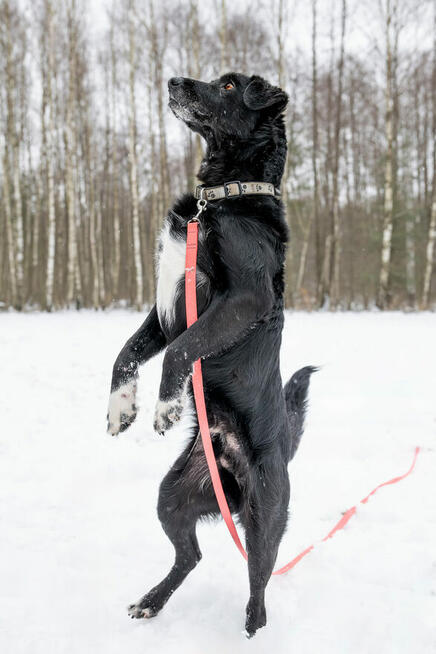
[(346, 517), (197, 382)]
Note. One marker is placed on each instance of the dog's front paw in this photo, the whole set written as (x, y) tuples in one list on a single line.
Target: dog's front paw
[(168, 413), (122, 408)]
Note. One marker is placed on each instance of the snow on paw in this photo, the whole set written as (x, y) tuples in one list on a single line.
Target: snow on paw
[(122, 408), (168, 413), (256, 618), (139, 611)]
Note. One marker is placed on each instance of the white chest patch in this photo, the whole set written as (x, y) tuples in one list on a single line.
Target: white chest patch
[(170, 270)]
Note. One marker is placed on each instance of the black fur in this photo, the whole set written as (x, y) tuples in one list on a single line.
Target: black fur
[(256, 424)]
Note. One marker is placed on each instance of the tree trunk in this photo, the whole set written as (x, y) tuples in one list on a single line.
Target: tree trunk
[(10, 241), (195, 31), (90, 203), (383, 298), (315, 146), (336, 237), (224, 61), (14, 140), (70, 159), (50, 161), (431, 239), (324, 284), (314, 215), (280, 46), (429, 253), (155, 218), (303, 257), (133, 164), (410, 257), (115, 267)]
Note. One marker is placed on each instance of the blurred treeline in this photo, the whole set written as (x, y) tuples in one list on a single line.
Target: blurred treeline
[(91, 158)]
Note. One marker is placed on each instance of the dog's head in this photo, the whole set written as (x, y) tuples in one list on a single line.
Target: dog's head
[(233, 106)]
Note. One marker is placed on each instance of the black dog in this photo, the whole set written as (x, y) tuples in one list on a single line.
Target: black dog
[(255, 423)]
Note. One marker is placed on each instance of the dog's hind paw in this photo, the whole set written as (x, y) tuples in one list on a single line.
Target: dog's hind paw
[(137, 611), (256, 618), (122, 408)]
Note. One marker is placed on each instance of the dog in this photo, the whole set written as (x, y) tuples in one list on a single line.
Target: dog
[(255, 423)]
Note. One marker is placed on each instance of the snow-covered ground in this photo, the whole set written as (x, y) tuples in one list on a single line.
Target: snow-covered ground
[(80, 538)]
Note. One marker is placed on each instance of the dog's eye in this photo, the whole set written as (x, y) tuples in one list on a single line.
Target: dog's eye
[(229, 86)]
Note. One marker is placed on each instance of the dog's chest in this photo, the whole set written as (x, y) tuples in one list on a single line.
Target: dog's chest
[(171, 274)]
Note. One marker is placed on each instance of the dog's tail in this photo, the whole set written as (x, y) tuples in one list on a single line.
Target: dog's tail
[(296, 404)]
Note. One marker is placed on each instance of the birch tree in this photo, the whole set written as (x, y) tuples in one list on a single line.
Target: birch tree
[(12, 160), (336, 240), (388, 208), (431, 238), (224, 61), (73, 279), (50, 139), (10, 241), (115, 267), (314, 214), (133, 160), (324, 283)]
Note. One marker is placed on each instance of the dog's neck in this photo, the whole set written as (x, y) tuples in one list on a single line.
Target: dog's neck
[(260, 158)]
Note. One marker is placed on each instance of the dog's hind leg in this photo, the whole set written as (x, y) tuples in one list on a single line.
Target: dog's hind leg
[(187, 556), (186, 495), (264, 517)]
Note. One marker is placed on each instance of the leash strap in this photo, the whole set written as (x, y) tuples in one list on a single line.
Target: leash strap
[(197, 383), (347, 516)]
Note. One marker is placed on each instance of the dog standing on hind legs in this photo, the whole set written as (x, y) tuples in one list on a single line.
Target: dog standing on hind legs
[(255, 423)]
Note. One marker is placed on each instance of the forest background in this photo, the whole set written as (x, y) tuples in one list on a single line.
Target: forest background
[(91, 157)]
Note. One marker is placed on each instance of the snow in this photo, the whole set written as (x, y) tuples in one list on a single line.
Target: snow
[(80, 537)]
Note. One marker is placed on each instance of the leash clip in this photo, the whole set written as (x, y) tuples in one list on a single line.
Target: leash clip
[(201, 206)]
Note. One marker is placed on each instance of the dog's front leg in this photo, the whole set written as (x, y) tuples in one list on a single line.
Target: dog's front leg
[(226, 321), (145, 343)]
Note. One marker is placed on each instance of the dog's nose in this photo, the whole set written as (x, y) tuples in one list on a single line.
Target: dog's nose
[(176, 81)]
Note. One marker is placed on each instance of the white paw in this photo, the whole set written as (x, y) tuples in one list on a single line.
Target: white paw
[(122, 408), (167, 414)]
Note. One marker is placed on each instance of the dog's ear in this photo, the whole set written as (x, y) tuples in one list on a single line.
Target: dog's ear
[(260, 94)]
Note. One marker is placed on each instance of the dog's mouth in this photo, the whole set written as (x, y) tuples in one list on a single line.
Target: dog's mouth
[(181, 111), (187, 110)]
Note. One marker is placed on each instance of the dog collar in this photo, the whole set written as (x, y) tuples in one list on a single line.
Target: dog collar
[(235, 190)]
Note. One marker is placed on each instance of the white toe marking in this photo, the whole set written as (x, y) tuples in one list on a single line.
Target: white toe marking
[(165, 411), (121, 402), (170, 410)]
